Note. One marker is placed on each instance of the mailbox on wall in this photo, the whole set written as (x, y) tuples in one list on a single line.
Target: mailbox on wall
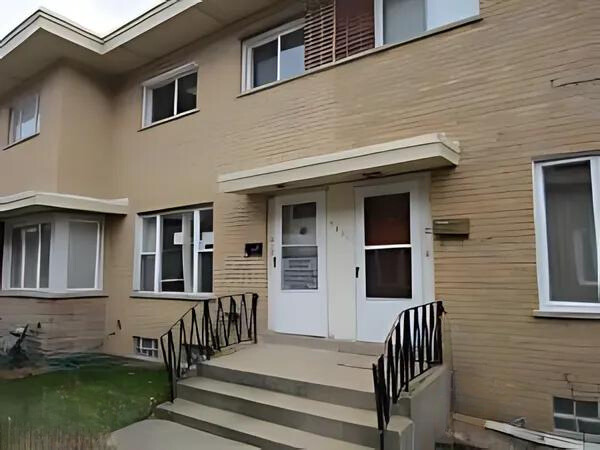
[(451, 227)]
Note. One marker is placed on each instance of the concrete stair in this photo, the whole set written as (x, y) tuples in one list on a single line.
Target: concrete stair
[(281, 412)]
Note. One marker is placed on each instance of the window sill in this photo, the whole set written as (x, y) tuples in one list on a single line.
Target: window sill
[(173, 296), (53, 295), (574, 314), (20, 141), (361, 55), (169, 119)]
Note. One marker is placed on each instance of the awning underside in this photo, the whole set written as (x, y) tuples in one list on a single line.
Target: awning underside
[(426, 152), (33, 201)]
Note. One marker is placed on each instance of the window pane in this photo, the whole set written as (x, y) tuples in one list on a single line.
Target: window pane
[(572, 261), (16, 258), (299, 268), (563, 405), (186, 93), (149, 235), (387, 219), (265, 64), (588, 426), (292, 54), (172, 254), (163, 99), (29, 117), (147, 273), (388, 273), (586, 409), (15, 126), (83, 242), (205, 272), (32, 245), (45, 256), (403, 19), (299, 224), (565, 424), (443, 12), (207, 239)]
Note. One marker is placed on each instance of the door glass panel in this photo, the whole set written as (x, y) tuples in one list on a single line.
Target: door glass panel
[(388, 273), (299, 252), (387, 219), (572, 260)]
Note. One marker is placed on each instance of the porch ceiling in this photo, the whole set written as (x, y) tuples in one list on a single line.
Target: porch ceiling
[(33, 201), (425, 152)]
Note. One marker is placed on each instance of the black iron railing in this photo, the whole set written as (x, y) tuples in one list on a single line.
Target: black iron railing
[(208, 327), (412, 347)]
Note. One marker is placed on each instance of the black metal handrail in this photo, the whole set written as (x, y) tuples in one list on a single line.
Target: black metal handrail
[(412, 347), (196, 336)]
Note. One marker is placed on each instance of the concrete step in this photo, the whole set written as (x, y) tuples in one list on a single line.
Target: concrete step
[(355, 425), (246, 429), (301, 388)]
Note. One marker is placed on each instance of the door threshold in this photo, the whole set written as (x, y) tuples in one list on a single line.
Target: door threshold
[(323, 343)]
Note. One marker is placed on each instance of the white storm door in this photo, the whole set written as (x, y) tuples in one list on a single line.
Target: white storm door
[(297, 276), (390, 227)]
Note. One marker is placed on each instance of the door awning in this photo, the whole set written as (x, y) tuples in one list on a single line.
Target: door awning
[(34, 201), (431, 151)]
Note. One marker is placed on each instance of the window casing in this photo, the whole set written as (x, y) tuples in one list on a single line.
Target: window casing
[(24, 118), (567, 218), (147, 347), (577, 417), (175, 252), (53, 253), (273, 56), (169, 95)]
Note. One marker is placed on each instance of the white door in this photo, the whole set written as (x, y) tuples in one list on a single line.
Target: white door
[(297, 281), (391, 269)]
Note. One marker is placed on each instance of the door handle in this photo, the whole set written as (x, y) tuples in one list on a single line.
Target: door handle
[(274, 262), (357, 269)]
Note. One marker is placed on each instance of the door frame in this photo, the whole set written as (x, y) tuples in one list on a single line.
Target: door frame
[(422, 276), (274, 270)]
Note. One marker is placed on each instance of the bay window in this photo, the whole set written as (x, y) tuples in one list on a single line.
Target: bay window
[(175, 252), (52, 252), (567, 220)]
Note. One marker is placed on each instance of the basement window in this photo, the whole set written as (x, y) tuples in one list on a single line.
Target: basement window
[(53, 253), (576, 416), (273, 56), (147, 347), (170, 95), (567, 222), (175, 252), (24, 119)]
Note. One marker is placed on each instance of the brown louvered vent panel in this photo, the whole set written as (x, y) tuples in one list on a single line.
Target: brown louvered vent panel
[(354, 27), (318, 33)]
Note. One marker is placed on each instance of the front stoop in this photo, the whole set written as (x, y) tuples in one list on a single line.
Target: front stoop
[(296, 398)]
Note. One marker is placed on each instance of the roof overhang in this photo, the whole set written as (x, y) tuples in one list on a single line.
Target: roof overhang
[(32, 202), (46, 37), (426, 152)]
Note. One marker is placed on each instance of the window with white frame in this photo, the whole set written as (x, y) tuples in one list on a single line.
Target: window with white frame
[(402, 20), (145, 347), (175, 252), (273, 56), (24, 118), (171, 94), (576, 416), (53, 252), (567, 220)]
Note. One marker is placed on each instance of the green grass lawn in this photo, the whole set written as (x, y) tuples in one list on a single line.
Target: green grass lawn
[(98, 397)]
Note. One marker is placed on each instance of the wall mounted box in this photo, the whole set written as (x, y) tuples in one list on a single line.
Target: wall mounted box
[(451, 227)]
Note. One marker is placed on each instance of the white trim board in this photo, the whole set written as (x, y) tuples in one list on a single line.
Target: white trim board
[(406, 155), (52, 200)]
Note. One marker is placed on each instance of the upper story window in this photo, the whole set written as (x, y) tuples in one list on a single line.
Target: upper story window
[(273, 56), (567, 220), (402, 20), (175, 252), (53, 252), (24, 118), (171, 94)]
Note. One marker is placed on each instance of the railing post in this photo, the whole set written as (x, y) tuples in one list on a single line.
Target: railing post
[(254, 321)]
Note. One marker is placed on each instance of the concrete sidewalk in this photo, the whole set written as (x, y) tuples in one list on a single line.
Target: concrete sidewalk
[(165, 435)]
